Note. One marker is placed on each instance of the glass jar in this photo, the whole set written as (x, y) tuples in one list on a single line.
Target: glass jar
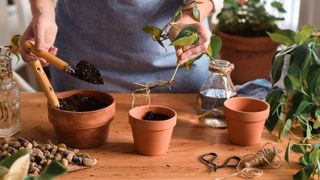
[(214, 91), (9, 97)]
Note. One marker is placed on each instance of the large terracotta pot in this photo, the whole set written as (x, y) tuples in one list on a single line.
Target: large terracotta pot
[(83, 129), (152, 137), (252, 56), (245, 119)]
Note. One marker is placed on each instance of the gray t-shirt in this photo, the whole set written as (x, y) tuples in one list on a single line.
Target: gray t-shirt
[(108, 34)]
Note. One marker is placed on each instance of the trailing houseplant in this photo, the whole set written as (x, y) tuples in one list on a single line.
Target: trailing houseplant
[(243, 26), (297, 106), (16, 167)]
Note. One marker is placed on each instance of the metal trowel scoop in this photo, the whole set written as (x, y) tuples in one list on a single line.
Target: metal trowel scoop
[(83, 70)]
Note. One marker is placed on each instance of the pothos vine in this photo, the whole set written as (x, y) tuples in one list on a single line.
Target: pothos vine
[(186, 37)]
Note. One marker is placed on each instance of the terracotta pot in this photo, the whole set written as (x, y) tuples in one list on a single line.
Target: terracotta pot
[(245, 119), (83, 129), (152, 137), (252, 56)]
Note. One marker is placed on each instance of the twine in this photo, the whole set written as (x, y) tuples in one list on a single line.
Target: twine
[(247, 167), (223, 70)]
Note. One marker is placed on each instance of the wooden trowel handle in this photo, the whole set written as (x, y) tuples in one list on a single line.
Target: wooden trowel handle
[(55, 61), (45, 83)]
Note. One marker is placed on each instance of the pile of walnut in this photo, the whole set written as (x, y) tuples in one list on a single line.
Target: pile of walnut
[(41, 155)]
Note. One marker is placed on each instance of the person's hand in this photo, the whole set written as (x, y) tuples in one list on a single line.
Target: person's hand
[(187, 53), (42, 31)]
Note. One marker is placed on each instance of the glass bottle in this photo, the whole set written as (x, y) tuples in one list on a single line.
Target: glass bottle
[(214, 91), (9, 97)]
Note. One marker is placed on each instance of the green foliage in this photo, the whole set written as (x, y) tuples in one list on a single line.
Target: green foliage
[(187, 36), (299, 102), (16, 167), (249, 18), (310, 157)]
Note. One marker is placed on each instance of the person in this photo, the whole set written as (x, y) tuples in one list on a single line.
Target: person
[(108, 34)]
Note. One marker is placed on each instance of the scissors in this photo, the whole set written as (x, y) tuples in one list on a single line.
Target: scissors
[(209, 160)]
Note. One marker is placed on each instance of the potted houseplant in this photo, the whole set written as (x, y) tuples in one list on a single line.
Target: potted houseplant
[(296, 108), (243, 26)]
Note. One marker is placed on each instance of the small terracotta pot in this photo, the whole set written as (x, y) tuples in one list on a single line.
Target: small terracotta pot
[(152, 137), (83, 129), (251, 56), (245, 118)]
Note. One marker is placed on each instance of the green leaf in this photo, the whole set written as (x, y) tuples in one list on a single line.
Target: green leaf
[(278, 6), (177, 15), (314, 155), (285, 37), (7, 162), (292, 80), (287, 154), (19, 169), (318, 165), (3, 171), (316, 124), (53, 170), (291, 83), (304, 173), (154, 31), (15, 40), (305, 159), (299, 148), (196, 12), (188, 36), (315, 56), (277, 66), (273, 98), (214, 46), (286, 128), (302, 106), (304, 33)]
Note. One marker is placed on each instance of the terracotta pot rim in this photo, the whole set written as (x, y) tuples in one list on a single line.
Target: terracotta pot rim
[(80, 91), (146, 121), (226, 103), (242, 37)]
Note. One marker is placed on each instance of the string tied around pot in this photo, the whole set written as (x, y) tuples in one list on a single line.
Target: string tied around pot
[(248, 165), (215, 67)]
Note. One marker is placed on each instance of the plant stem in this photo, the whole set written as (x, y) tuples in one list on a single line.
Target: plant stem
[(175, 72), (286, 109), (175, 27)]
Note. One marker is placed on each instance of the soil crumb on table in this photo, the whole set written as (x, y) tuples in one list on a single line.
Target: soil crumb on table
[(81, 103)]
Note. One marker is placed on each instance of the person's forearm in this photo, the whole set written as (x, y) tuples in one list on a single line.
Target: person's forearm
[(42, 7), (205, 7)]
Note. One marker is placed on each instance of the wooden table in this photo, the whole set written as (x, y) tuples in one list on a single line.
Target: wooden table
[(118, 159)]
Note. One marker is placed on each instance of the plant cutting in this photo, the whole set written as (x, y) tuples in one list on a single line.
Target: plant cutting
[(186, 36), (243, 27), (297, 106)]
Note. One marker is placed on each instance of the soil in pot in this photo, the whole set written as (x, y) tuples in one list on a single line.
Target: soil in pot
[(86, 124), (151, 116), (82, 103)]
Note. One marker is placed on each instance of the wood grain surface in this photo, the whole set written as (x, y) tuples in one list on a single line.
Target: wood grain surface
[(117, 159)]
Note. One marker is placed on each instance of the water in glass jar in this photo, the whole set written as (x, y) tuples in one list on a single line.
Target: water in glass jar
[(212, 100), (9, 112)]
